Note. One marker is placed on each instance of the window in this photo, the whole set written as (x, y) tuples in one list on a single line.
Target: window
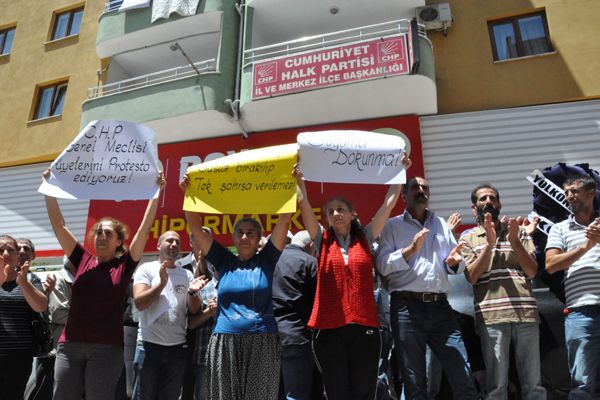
[(50, 100), (114, 4), (6, 40), (521, 36), (67, 23)]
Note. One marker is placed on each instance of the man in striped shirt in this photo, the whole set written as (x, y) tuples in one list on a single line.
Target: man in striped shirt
[(573, 246), (500, 262)]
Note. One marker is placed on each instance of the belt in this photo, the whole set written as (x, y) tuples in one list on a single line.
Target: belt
[(422, 296)]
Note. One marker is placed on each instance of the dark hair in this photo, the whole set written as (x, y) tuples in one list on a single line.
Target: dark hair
[(586, 181), (251, 221), (483, 186), (28, 241), (9, 238), (355, 226), (119, 227), (407, 184)]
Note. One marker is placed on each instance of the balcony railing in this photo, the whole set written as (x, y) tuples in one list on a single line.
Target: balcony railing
[(154, 78), (112, 5), (327, 40)]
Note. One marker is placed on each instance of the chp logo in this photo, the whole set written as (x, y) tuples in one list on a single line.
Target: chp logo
[(265, 73), (390, 50)]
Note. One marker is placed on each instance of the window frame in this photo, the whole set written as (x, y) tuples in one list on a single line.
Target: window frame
[(5, 32), (514, 21), (71, 12), (56, 86)]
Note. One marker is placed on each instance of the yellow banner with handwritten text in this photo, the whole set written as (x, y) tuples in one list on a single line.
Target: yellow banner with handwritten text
[(256, 181)]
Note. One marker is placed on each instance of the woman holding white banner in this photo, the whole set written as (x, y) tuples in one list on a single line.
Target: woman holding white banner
[(346, 338), (244, 351), (89, 357)]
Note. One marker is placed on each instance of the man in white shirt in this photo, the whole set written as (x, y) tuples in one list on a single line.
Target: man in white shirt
[(163, 293), (573, 246), (416, 253)]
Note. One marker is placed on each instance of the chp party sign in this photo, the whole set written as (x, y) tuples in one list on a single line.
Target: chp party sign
[(377, 58), (108, 160), (254, 181), (352, 157)]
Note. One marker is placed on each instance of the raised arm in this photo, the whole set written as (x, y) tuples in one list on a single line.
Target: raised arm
[(36, 299), (389, 202), (279, 233), (136, 249), (308, 216), (453, 221), (64, 236), (383, 214), (201, 239)]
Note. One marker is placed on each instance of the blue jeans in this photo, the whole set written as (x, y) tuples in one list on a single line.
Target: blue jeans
[(416, 324), (582, 334), (138, 360), (495, 345), (434, 374), (158, 371), (297, 365)]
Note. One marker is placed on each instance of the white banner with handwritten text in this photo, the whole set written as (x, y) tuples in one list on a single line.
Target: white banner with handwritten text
[(108, 160), (352, 157)]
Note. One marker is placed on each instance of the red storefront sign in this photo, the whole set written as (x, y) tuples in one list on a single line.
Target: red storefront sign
[(332, 66), (176, 157)]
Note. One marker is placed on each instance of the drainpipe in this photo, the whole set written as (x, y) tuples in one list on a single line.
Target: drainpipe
[(235, 104)]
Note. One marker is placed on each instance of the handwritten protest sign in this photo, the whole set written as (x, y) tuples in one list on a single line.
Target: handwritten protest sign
[(254, 181), (108, 160), (352, 157)]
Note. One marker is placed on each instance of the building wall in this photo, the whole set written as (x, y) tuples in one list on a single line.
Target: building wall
[(503, 147), (23, 210), (468, 79), (34, 61)]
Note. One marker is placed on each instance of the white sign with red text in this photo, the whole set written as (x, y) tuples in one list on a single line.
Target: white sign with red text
[(332, 66)]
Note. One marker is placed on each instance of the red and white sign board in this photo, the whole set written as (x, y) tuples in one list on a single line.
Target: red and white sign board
[(332, 66), (176, 157)]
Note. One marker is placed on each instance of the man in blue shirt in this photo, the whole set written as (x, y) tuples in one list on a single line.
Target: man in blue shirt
[(417, 251)]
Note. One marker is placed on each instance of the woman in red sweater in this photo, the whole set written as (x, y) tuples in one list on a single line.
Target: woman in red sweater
[(346, 339)]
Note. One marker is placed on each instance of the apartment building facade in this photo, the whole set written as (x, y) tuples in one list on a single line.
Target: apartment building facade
[(47, 62), (479, 90)]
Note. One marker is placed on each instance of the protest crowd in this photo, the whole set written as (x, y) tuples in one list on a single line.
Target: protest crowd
[(341, 310)]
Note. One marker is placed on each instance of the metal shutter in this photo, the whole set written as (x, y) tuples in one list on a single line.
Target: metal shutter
[(502, 147), (23, 211)]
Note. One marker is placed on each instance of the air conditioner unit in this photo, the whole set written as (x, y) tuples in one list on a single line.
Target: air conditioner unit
[(435, 16)]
